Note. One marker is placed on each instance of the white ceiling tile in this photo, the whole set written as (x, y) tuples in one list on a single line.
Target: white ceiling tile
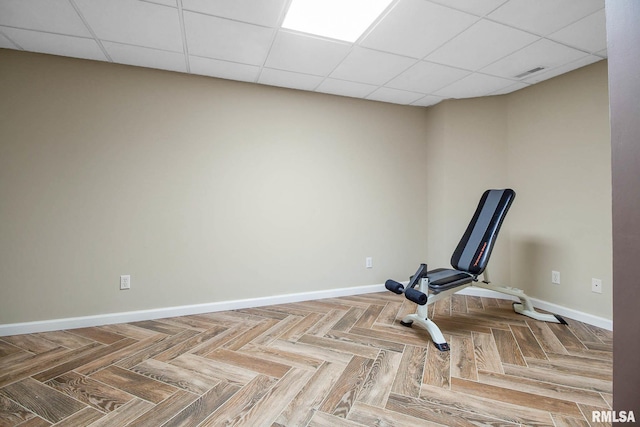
[(134, 22), (480, 45), (372, 67), (417, 27), (477, 7), (262, 12), (473, 86), (171, 3), (394, 96), (55, 44), (418, 47), (288, 79), (145, 57), (306, 54), (582, 62), (589, 33), (5, 43), (514, 87), (56, 16), (344, 88), (544, 16), (427, 101), (223, 69), (427, 77), (227, 40), (543, 53)]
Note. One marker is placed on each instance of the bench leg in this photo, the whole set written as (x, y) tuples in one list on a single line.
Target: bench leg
[(436, 335), (524, 307), (420, 318)]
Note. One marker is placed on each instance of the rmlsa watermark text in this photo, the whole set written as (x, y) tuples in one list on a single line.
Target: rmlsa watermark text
[(613, 417)]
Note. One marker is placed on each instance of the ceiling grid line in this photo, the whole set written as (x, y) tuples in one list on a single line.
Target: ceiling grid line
[(547, 36), (95, 38), (17, 46), (281, 17), (185, 46)]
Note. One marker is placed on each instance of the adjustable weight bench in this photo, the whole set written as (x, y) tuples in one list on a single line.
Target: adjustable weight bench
[(469, 260)]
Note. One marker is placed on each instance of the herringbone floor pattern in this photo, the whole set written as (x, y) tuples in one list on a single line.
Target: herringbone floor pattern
[(336, 362)]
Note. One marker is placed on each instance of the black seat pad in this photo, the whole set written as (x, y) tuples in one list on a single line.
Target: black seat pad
[(442, 279)]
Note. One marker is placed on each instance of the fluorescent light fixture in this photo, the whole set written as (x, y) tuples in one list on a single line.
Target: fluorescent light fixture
[(337, 19)]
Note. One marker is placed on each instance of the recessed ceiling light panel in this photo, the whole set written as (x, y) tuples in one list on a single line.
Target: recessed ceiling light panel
[(337, 19)]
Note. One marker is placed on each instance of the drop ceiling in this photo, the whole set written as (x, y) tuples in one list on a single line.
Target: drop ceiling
[(418, 52)]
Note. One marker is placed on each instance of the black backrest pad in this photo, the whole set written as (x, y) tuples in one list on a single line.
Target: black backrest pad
[(474, 249)]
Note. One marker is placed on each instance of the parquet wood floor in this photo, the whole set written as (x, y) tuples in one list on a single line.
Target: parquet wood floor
[(335, 362)]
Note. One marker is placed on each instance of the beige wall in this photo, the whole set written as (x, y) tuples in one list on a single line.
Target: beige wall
[(559, 160), (203, 190), (208, 190), (467, 155), (551, 144)]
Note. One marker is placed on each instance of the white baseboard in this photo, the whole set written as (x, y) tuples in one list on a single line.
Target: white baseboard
[(135, 316), (589, 319)]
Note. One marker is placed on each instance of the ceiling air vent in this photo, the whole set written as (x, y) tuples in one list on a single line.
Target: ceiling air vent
[(528, 73)]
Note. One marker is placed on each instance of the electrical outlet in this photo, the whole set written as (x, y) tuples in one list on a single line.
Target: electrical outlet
[(555, 277), (596, 285), (368, 262), (125, 282)]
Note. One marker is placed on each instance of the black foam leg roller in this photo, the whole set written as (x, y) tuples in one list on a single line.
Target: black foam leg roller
[(394, 286), (416, 296)]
